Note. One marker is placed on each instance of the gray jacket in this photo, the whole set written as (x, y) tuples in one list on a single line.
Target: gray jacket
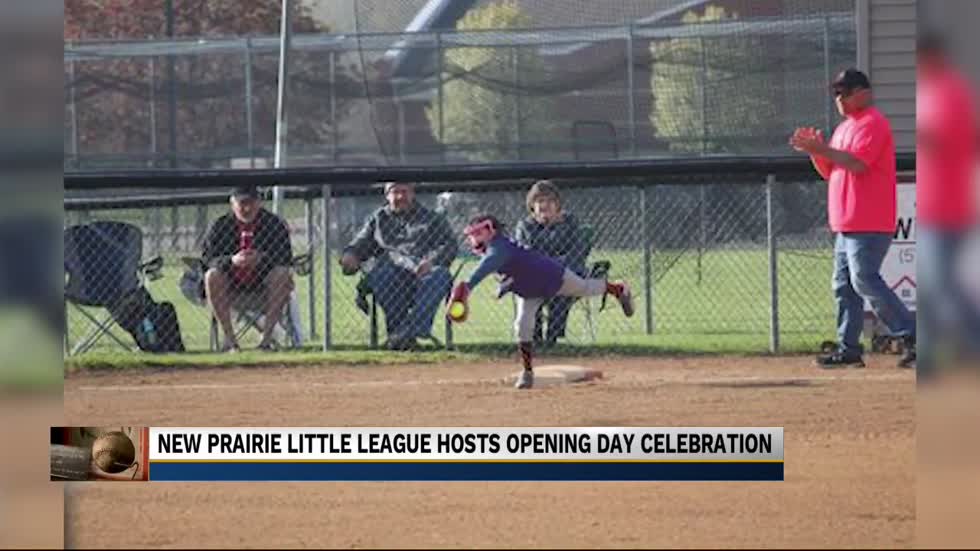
[(563, 241), (405, 238)]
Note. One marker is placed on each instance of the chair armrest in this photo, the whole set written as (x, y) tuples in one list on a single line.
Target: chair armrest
[(152, 268)]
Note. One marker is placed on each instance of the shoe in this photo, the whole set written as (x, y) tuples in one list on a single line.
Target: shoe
[(625, 298), (839, 359), (231, 348), (402, 345), (525, 380), (269, 346), (907, 361)]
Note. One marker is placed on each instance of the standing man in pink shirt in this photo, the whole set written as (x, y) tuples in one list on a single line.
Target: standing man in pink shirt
[(859, 166), (946, 164)]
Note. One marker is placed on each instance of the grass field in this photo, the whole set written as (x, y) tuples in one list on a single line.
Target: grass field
[(725, 310)]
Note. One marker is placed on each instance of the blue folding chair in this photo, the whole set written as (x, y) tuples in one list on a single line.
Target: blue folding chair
[(104, 266)]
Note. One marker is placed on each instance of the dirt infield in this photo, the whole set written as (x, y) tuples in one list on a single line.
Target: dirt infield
[(30, 506), (849, 448)]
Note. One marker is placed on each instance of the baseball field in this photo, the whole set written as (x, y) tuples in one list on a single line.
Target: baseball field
[(849, 449)]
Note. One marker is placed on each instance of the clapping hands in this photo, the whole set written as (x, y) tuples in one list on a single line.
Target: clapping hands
[(807, 140)]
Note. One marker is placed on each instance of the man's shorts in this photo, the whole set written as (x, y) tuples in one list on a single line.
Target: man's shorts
[(254, 285)]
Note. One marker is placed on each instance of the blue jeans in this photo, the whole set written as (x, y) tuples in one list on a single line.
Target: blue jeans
[(949, 318), (857, 265), (409, 302)]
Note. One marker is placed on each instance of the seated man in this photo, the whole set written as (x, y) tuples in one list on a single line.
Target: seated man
[(556, 233), (414, 247), (248, 255)]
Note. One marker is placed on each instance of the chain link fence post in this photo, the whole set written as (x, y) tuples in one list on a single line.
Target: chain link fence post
[(325, 194), (630, 91), (773, 267), (647, 260), (311, 249)]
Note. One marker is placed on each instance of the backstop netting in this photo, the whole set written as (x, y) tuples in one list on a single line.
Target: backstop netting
[(458, 81)]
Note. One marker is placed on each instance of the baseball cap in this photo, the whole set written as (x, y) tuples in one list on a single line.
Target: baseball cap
[(247, 191), (850, 79)]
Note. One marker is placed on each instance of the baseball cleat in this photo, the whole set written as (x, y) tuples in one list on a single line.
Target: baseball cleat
[(525, 380)]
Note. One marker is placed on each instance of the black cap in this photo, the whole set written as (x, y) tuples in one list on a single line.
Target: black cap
[(850, 79), (247, 191)]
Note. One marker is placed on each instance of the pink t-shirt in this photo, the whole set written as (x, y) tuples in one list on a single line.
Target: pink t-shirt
[(945, 122), (864, 202)]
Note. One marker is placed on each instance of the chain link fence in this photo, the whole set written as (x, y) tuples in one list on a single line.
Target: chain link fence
[(695, 250)]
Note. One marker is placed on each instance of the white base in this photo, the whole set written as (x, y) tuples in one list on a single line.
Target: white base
[(554, 375)]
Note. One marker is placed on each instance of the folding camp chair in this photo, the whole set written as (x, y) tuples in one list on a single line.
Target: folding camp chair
[(103, 263), (247, 308), (598, 269)]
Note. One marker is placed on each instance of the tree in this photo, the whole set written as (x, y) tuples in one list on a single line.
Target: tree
[(120, 99), (484, 110), (712, 93)]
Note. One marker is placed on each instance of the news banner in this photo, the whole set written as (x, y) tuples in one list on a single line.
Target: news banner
[(465, 454)]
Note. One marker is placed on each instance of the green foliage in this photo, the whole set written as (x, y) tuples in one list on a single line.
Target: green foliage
[(711, 91), (482, 110)]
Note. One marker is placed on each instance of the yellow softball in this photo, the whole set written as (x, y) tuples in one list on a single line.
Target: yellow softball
[(457, 310)]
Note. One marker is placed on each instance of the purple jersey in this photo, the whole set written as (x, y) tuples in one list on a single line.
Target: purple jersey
[(530, 274)]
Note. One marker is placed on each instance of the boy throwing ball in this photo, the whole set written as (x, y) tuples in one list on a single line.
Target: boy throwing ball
[(530, 275)]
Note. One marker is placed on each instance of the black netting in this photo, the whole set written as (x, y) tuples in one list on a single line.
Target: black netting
[(472, 81)]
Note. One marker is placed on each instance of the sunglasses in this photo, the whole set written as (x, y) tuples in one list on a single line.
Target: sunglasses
[(844, 93)]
